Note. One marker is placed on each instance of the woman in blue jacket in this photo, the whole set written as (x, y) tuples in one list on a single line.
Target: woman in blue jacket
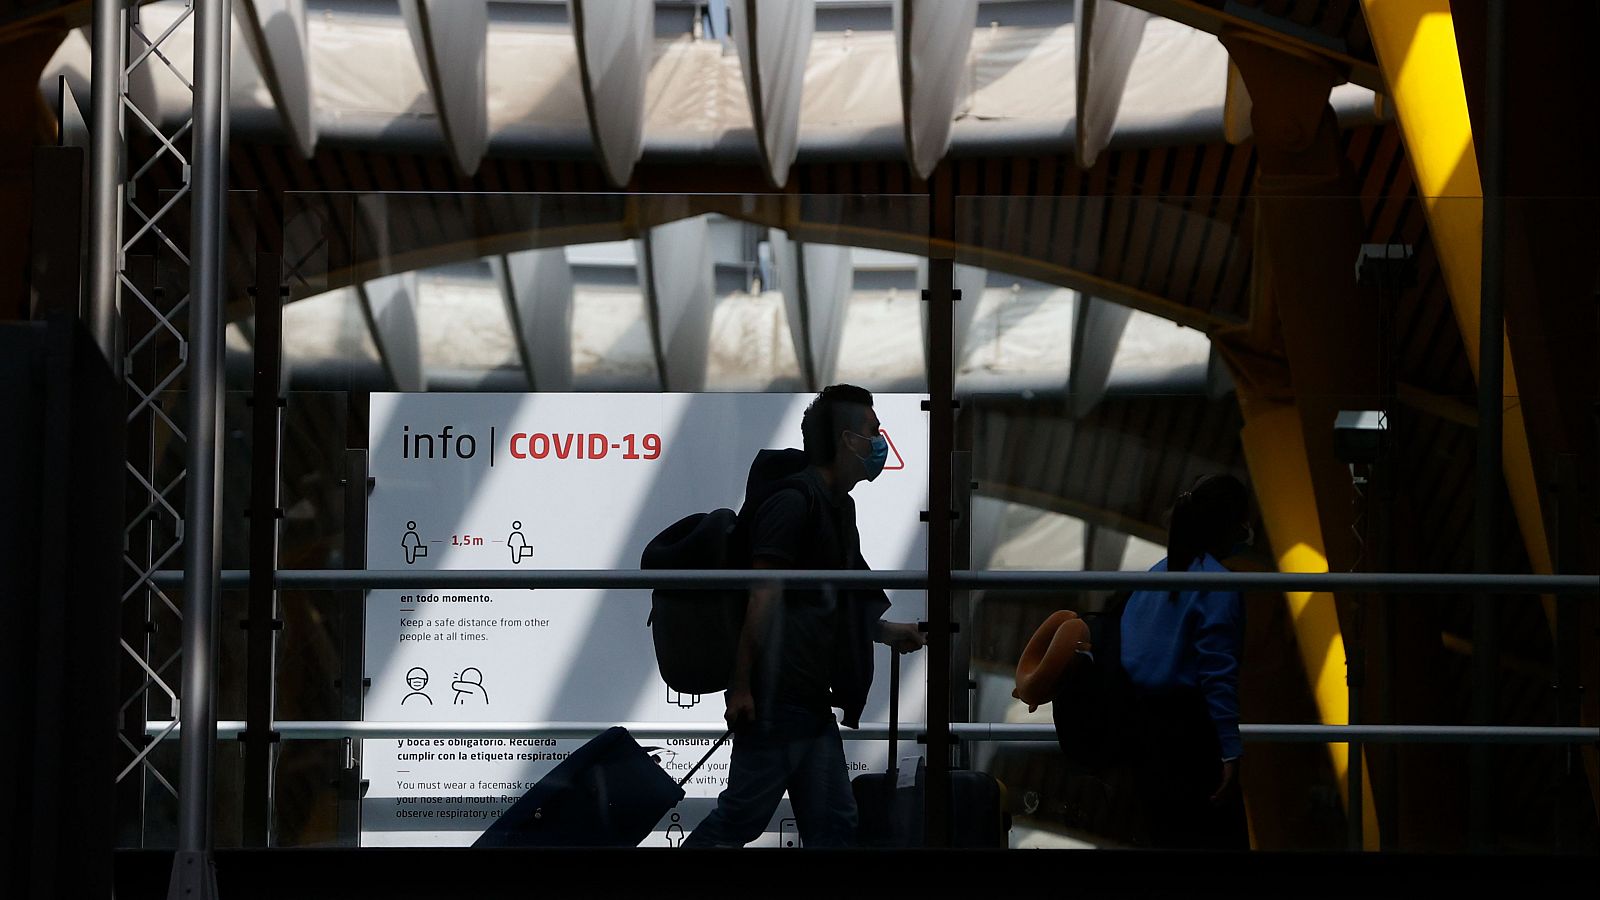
[(1181, 651)]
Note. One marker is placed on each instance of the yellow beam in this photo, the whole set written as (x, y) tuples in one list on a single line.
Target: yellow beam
[(1275, 451), (1415, 42)]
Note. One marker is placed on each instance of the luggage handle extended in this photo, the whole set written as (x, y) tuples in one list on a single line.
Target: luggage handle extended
[(894, 715), (720, 741)]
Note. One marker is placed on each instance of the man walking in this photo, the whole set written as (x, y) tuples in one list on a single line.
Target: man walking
[(804, 652)]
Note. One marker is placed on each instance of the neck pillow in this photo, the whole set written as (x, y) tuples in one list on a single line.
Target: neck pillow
[(1051, 649)]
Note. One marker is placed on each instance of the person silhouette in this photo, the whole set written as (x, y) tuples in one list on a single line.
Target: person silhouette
[(520, 548), (417, 679), (1181, 651), (413, 544), (674, 832), (804, 651), (470, 684)]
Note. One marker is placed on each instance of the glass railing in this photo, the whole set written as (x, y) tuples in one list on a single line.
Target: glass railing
[(494, 403)]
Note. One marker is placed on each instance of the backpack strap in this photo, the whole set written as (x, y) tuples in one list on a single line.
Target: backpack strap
[(1106, 631)]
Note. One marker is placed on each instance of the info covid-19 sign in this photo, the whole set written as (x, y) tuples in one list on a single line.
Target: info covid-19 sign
[(570, 481)]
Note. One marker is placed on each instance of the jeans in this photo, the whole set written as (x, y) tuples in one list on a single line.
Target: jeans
[(788, 748)]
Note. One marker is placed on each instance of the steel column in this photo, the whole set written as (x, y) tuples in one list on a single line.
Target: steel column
[(1568, 658), (263, 623), (353, 613), (105, 179), (192, 874), (1491, 368), (941, 512)]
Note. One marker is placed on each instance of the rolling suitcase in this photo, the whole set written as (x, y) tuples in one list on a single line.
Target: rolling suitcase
[(608, 793), (889, 807)]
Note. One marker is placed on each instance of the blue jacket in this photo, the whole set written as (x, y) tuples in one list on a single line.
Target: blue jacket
[(1191, 643)]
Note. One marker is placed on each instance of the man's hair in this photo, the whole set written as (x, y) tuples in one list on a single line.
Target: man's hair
[(838, 407)]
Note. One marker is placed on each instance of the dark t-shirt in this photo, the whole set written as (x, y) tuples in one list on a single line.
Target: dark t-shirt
[(809, 529)]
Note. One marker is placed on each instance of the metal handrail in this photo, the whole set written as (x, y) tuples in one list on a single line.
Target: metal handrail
[(905, 579), (998, 732)]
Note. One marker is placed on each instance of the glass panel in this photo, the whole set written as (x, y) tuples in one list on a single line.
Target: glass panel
[(1224, 336), (548, 381), (523, 300)]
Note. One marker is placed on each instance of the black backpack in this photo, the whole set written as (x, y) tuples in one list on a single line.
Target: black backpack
[(696, 630), (1094, 701)]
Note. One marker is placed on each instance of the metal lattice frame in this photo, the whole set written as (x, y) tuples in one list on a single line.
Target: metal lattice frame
[(154, 302)]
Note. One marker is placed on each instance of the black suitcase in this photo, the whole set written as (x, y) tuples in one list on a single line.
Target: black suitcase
[(608, 793), (891, 815)]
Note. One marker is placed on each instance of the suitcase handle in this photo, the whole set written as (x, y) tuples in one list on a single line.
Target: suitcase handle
[(894, 715), (720, 741)]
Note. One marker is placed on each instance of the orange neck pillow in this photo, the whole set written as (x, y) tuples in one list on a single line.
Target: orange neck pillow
[(1051, 649)]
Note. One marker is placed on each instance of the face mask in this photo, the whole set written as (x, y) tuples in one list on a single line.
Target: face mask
[(1249, 535), (876, 457)]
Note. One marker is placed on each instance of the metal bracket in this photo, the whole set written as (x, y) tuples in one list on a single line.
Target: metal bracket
[(274, 624), (193, 876), (1391, 265)]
